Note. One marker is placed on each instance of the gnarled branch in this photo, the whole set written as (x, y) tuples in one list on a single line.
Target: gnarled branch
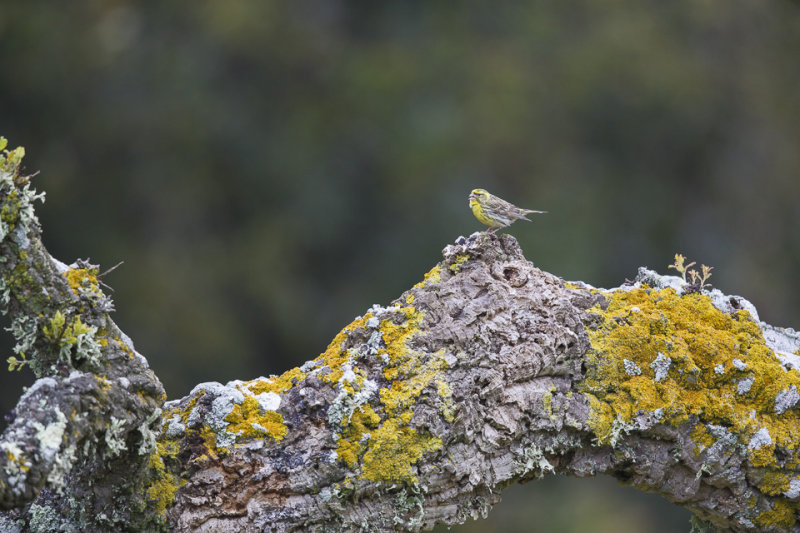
[(486, 373)]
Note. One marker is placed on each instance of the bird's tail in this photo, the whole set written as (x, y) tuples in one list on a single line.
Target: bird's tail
[(528, 212)]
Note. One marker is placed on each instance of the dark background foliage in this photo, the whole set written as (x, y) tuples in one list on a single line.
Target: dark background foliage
[(268, 170)]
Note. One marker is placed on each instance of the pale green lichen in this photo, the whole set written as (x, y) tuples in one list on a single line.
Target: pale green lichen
[(115, 437), (10, 525), (24, 328), (62, 465), (148, 443), (76, 340), (51, 436), (17, 209), (410, 500), (533, 461), (44, 519)]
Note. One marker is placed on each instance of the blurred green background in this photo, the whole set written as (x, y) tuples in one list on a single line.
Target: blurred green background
[(268, 170)]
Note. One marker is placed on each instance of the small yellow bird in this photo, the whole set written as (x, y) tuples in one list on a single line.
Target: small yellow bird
[(496, 212)]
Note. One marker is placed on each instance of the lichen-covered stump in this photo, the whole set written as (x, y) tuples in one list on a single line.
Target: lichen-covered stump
[(486, 373)]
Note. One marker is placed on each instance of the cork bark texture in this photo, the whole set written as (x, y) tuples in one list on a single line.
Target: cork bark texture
[(490, 372), (487, 372)]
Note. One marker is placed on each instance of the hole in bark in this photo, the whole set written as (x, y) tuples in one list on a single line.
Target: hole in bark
[(780, 455), (623, 474)]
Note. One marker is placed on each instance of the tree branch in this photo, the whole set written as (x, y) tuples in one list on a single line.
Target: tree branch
[(77, 451), (486, 373)]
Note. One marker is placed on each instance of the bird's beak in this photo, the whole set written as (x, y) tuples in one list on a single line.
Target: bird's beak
[(472, 196)]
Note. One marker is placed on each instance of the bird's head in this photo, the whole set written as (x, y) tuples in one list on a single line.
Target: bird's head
[(478, 194)]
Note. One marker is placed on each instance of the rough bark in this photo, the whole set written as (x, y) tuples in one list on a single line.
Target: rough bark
[(486, 373), (75, 455)]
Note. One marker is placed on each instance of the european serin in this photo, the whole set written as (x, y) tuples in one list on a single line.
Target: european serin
[(496, 212)]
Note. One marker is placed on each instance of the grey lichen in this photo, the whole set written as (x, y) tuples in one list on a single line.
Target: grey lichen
[(744, 384), (786, 399), (661, 366), (631, 368), (175, 428), (759, 439), (739, 364), (10, 525)]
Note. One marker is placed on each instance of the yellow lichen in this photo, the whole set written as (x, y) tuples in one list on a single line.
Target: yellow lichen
[(396, 354), (276, 384), (434, 275), (163, 484), (446, 394), (547, 402), (460, 259), (335, 356), (684, 349), (209, 439), (393, 449), (378, 436), (249, 421), (781, 515), (351, 443), (702, 438), (83, 279), (774, 482)]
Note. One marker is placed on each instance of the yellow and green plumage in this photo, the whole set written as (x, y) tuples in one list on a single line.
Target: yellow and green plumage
[(494, 211)]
